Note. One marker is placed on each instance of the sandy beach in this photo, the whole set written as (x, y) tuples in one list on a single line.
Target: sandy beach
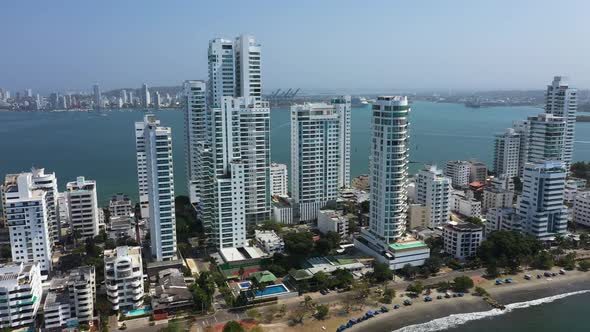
[(520, 290)]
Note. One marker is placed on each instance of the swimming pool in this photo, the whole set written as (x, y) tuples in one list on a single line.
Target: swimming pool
[(245, 285), (139, 312), (272, 290)]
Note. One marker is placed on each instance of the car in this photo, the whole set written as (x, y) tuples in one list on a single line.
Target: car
[(407, 302), (460, 294), (427, 299), (396, 306), (539, 276), (447, 295), (499, 282), (554, 274), (454, 295), (439, 297), (323, 292), (562, 271), (547, 274), (508, 280), (384, 309), (527, 276)]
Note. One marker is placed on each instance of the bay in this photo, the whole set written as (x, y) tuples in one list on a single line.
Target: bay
[(101, 146)]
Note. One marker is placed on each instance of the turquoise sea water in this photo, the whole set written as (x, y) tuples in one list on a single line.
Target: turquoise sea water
[(101, 146)]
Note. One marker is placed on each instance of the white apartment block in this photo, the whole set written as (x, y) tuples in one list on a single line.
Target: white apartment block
[(459, 172), (48, 183), (278, 180), (582, 208), (120, 206), (389, 168), (70, 300), (28, 218), (418, 216), (561, 101), (124, 277), (540, 209), (317, 151), (195, 120), (248, 71), (498, 219), (269, 241), (507, 153), (467, 206), (333, 221), (462, 239), (20, 294), (160, 188), (142, 183), (63, 209), (494, 197), (546, 133), (433, 190), (83, 207)]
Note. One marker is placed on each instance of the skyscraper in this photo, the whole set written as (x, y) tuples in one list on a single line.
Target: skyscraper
[(545, 138), (540, 210), (195, 119), (320, 154), (97, 97), (28, 217), (433, 190), (156, 101), (561, 101), (248, 76), (145, 96), (507, 153), (157, 141), (124, 96), (389, 168)]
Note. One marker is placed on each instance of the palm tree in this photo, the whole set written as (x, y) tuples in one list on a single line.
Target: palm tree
[(241, 272)]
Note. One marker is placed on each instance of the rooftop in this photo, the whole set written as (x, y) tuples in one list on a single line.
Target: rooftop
[(412, 244)]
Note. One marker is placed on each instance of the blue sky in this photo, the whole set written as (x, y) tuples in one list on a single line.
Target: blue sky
[(385, 45)]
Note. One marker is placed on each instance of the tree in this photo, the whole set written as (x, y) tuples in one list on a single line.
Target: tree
[(321, 280), (353, 226), (409, 271), (544, 260), (436, 245), (474, 220), (299, 244), (381, 272), (415, 288), (333, 238), (233, 326), (297, 315), (323, 247), (308, 302), (568, 262), (253, 314), (517, 184), (584, 265), (479, 291), (241, 272), (492, 270), (321, 311), (388, 295), (462, 284), (433, 264), (581, 170), (342, 278), (507, 249)]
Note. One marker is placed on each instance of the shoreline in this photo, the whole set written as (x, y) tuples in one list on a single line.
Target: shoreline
[(420, 312)]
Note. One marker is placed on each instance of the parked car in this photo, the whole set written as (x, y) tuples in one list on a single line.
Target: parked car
[(384, 309), (396, 306), (527, 276), (439, 297), (407, 302), (427, 299), (562, 271), (547, 274)]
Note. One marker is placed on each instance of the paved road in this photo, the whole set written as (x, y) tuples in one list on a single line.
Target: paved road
[(224, 315)]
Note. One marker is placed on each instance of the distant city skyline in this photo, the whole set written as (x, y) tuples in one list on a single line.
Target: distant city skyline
[(336, 45)]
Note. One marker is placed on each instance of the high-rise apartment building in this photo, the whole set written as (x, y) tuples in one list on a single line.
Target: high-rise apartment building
[(83, 207), (561, 101), (540, 209), (317, 150), (389, 168), (28, 217), (97, 97), (123, 275), (507, 153), (278, 179), (22, 291), (248, 75), (458, 171), (123, 95), (546, 133), (159, 182), (145, 96), (433, 190), (195, 119)]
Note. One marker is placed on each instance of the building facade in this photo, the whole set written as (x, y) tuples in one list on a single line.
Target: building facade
[(21, 292), (333, 221), (561, 101), (195, 120), (458, 171), (278, 180), (83, 207), (462, 239), (540, 209), (159, 170), (120, 206), (433, 190), (582, 208), (507, 153), (124, 277)]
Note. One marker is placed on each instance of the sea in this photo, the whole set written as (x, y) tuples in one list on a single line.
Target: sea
[(101, 145), (564, 312)]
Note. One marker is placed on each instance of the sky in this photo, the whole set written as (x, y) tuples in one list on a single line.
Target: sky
[(393, 45)]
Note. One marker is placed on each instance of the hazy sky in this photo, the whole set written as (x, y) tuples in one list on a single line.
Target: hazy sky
[(395, 44)]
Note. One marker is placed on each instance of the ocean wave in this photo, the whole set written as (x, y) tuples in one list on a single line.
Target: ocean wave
[(460, 319)]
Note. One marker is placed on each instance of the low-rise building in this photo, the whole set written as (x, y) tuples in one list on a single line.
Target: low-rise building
[(582, 208), (462, 239), (70, 301), (171, 292), (500, 219), (120, 206), (459, 171), (122, 228), (20, 294), (418, 216), (478, 171), (282, 210), (333, 221), (494, 197), (396, 255), (124, 277), (465, 205), (269, 241)]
